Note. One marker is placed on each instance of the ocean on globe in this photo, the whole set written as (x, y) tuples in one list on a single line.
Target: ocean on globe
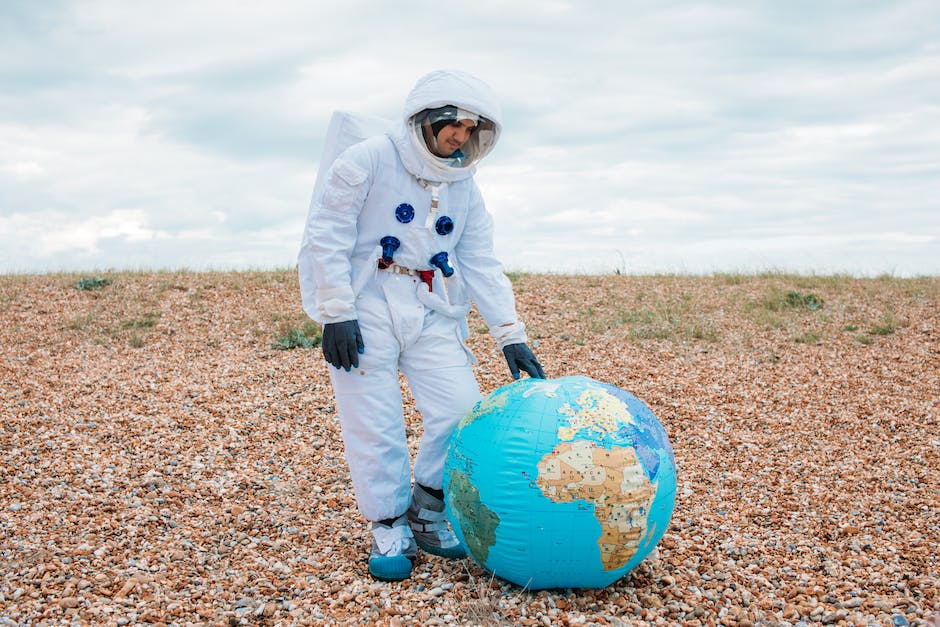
[(560, 483)]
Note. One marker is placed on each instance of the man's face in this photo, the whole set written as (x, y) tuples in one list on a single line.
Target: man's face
[(453, 136)]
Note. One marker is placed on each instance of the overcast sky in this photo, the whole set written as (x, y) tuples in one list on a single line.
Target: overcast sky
[(637, 136)]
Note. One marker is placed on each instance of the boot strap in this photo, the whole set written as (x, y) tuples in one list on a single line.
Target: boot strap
[(430, 514), (419, 526)]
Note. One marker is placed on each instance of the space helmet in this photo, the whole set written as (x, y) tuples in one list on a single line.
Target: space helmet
[(442, 97)]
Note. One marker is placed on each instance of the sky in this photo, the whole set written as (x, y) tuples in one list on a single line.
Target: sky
[(639, 137)]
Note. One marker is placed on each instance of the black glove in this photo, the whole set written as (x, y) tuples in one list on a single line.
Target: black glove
[(521, 356), (342, 344)]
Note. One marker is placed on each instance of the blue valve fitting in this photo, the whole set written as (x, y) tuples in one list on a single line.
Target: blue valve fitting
[(404, 213), (439, 261), (389, 244), (444, 225)]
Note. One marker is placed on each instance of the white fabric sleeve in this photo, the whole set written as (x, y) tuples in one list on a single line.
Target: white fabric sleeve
[(483, 275), (336, 304), (323, 265), (511, 333)]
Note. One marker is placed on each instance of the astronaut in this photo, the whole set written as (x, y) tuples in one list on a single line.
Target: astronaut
[(397, 243)]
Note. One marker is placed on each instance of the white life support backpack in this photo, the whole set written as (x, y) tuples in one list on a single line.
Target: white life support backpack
[(347, 129)]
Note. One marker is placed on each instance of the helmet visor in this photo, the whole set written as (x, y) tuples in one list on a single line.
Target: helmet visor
[(428, 124)]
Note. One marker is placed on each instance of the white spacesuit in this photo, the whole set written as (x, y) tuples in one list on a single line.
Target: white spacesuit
[(398, 239)]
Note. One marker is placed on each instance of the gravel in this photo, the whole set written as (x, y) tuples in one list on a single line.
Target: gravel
[(161, 463)]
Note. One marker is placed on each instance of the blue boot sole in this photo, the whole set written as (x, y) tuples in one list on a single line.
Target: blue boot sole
[(394, 568)]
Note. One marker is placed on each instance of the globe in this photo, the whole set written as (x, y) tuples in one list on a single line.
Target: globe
[(560, 483)]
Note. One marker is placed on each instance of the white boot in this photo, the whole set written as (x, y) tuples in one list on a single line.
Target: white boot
[(393, 550)]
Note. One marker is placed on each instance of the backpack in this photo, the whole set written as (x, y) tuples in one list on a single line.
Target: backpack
[(345, 130)]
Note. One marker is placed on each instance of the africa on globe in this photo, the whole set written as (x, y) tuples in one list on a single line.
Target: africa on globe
[(560, 483)]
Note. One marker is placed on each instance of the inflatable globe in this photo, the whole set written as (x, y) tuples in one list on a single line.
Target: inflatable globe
[(560, 483)]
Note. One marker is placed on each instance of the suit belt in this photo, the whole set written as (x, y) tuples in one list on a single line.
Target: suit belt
[(426, 276)]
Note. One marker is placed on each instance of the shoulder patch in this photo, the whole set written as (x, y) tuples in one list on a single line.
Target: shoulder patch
[(350, 172)]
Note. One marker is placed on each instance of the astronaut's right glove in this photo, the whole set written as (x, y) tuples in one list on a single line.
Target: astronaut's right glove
[(342, 344), (521, 356)]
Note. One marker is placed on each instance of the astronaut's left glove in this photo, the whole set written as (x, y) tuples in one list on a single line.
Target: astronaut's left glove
[(520, 356), (342, 344)]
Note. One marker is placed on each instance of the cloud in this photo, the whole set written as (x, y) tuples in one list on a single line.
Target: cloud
[(128, 239), (78, 236), (23, 170)]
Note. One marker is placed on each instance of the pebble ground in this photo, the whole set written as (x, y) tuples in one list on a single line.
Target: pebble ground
[(161, 463)]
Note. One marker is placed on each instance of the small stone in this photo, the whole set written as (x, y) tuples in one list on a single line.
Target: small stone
[(15, 507), (853, 602), (68, 602), (126, 589), (242, 603), (435, 592), (834, 617)]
